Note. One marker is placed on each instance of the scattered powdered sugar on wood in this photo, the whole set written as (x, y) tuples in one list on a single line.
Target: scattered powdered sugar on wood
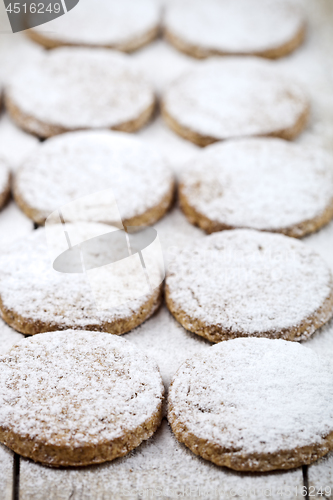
[(159, 468), (235, 97), (58, 299), (249, 282), (322, 341), (260, 183), (320, 477), (15, 145), (81, 163), (254, 395), (8, 337), (163, 339), (6, 476), (111, 23), (245, 26), (80, 88), (77, 388), (13, 225)]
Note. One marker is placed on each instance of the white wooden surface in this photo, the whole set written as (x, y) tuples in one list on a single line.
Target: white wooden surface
[(6, 473)]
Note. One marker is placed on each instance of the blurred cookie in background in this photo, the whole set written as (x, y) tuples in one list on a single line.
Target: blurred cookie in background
[(259, 183), (76, 164), (124, 25), (79, 88), (266, 28), (235, 97)]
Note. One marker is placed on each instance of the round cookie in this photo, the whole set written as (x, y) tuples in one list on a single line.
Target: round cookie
[(244, 283), (36, 298), (243, 27), (78, 163), (235, 97), (79, 88), (245, 404), (77, 398), (4, 183), (266, 184), (126, 25)]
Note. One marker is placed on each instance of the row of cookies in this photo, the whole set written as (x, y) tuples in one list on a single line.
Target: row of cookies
[(76, 398), (259, 183), (71, 89), (257, 27)]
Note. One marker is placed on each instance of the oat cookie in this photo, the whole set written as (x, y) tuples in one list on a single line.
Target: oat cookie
[(75, 164), (77, 398), (243, 282), (266, 184), (126, 25), (235, 97), (244, 27), (4, 183), (79, 88), (34, 297), (245, 404)]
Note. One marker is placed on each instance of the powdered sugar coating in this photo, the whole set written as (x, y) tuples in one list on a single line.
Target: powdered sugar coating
[(267, 184), (78, 88), (235, 97), (79, 163), (241, 27), (77, 388), (8, 337), (107, 23), (250, 283), (252, 397), (33, 293)]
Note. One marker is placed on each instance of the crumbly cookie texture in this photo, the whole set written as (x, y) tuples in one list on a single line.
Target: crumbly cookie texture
[(266, 184), (77, 398), (80, 163), (244, 404), (4, 183), (246, 27), (126, 25), (35, 298), (242, 283), (235, 97), (79, 88), (8, 337)]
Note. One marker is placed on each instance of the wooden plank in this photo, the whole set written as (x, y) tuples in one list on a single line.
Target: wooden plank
[(6, 473), (320, 478), (160, 468)]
